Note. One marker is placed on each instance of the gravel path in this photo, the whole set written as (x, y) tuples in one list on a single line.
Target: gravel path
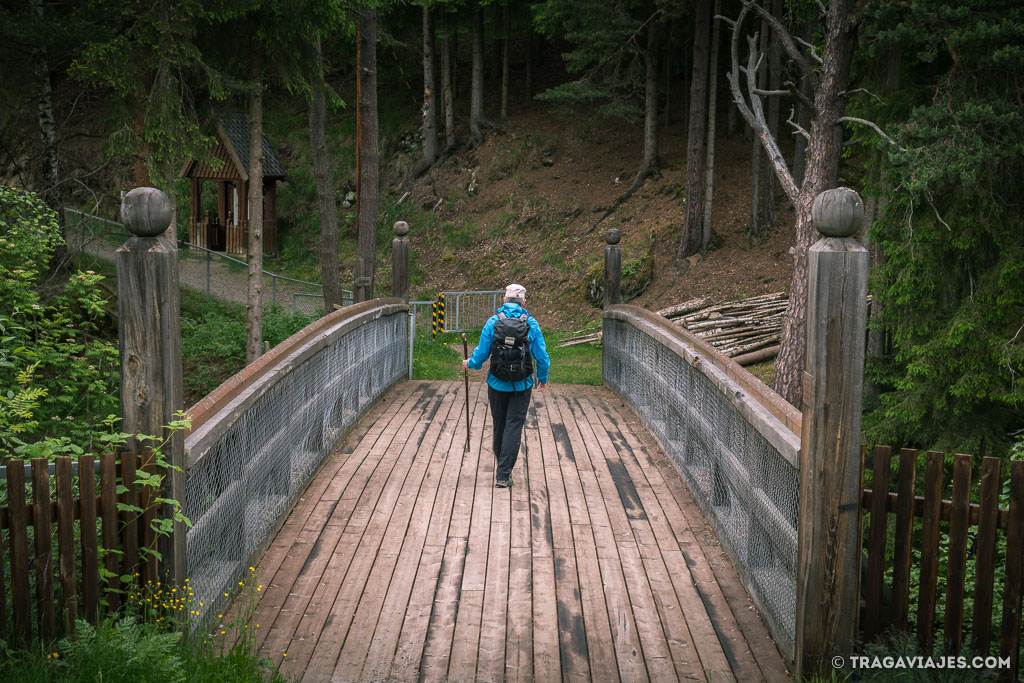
[(205, 271)]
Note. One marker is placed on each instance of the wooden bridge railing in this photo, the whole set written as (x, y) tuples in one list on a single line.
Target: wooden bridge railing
[(728, 443), (256, 440), (783, 493)]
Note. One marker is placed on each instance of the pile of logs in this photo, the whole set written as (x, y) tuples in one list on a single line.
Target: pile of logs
[(747, 331)]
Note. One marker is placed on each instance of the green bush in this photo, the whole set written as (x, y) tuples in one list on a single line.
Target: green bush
[(213, 338), (60, 375)]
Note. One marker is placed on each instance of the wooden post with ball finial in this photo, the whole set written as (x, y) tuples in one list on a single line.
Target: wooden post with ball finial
[(828, 548), (149, 332)]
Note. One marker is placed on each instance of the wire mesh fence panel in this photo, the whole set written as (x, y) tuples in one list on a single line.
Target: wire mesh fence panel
[(470, 310), (746, 486), (265, 453), (208, 271), (422, 320), (93, 237)]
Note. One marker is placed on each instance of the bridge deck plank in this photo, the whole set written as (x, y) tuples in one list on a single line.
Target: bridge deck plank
[(403, 562), (369, 503), (288, 560), (750, 652)]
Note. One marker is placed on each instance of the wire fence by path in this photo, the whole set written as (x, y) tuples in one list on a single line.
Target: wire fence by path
[(213, 273)]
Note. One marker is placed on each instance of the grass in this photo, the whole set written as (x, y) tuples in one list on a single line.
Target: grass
[(764, 371), (145, 643), (213, 339), (440, 360)]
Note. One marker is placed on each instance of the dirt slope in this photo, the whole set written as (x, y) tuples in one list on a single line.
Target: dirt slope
[(523, 205)]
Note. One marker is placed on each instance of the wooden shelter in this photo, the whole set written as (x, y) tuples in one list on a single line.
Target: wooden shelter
[(228, 229)]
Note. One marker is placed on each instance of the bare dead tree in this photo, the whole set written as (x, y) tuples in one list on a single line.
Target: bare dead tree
[(828, 76)]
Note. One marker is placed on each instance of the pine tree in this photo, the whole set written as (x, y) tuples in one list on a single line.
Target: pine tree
[(952, 284)]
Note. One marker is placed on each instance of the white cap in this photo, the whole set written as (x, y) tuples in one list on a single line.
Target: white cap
[(515, 292)]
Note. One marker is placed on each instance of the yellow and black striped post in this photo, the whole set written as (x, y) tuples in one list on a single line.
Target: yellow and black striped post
[(437, 317)]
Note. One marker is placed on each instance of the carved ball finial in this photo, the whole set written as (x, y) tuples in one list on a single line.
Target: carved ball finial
[(401, 228), (146, 211), (837, 212), (612, 235)]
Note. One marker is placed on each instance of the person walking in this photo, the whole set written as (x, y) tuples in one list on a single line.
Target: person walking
[(512, 340)]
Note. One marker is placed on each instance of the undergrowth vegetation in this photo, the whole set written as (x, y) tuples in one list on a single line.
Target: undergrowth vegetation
[(213, 339), (150, 640), (442, 359)]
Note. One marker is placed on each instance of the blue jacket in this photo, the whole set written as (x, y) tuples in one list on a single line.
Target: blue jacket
[(539, 352)]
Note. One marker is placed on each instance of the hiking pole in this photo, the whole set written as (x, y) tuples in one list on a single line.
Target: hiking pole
[(465, 354)]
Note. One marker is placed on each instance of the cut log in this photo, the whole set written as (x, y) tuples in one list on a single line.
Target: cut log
[(685, 307), (585, 339), (755, 357)]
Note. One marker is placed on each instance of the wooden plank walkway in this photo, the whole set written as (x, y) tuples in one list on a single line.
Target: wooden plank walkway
[(402, 561)]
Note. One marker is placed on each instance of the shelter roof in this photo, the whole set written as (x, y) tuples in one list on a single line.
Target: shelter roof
[(232, 149)]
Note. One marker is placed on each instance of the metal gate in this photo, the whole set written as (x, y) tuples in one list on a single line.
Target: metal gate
[(467, 310)]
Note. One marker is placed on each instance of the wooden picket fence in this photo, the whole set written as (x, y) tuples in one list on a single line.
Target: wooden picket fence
[(955, 516), (48, 579)]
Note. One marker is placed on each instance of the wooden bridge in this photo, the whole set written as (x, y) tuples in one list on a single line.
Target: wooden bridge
[(402, 561), (661, 527), (394, 557)]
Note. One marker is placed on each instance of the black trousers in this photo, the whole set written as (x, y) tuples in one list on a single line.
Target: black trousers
[(508, 411)]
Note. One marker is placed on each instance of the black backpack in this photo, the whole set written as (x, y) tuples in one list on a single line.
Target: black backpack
[(510, 348)]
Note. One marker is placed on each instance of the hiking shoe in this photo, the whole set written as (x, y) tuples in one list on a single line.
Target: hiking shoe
[(504, 483)]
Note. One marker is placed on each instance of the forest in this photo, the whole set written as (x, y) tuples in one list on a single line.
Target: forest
[(917, 105)]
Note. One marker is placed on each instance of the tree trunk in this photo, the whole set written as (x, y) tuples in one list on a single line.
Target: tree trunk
[(756, 152), (668, 77), (507, 19), (367, 189), (324, 183), (48, 132), (429, 125), (684, 92), (823, 154), (254, 302), (476, 97), (448, 92), (803, 118), (767, 217), (696, 144), (650, 159), (758, 169), (732, 122), (709, 178), (430, 151), (495, 51)]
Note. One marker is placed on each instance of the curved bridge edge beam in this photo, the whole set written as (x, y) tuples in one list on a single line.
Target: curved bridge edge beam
[(774, 418), (220, 409)]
